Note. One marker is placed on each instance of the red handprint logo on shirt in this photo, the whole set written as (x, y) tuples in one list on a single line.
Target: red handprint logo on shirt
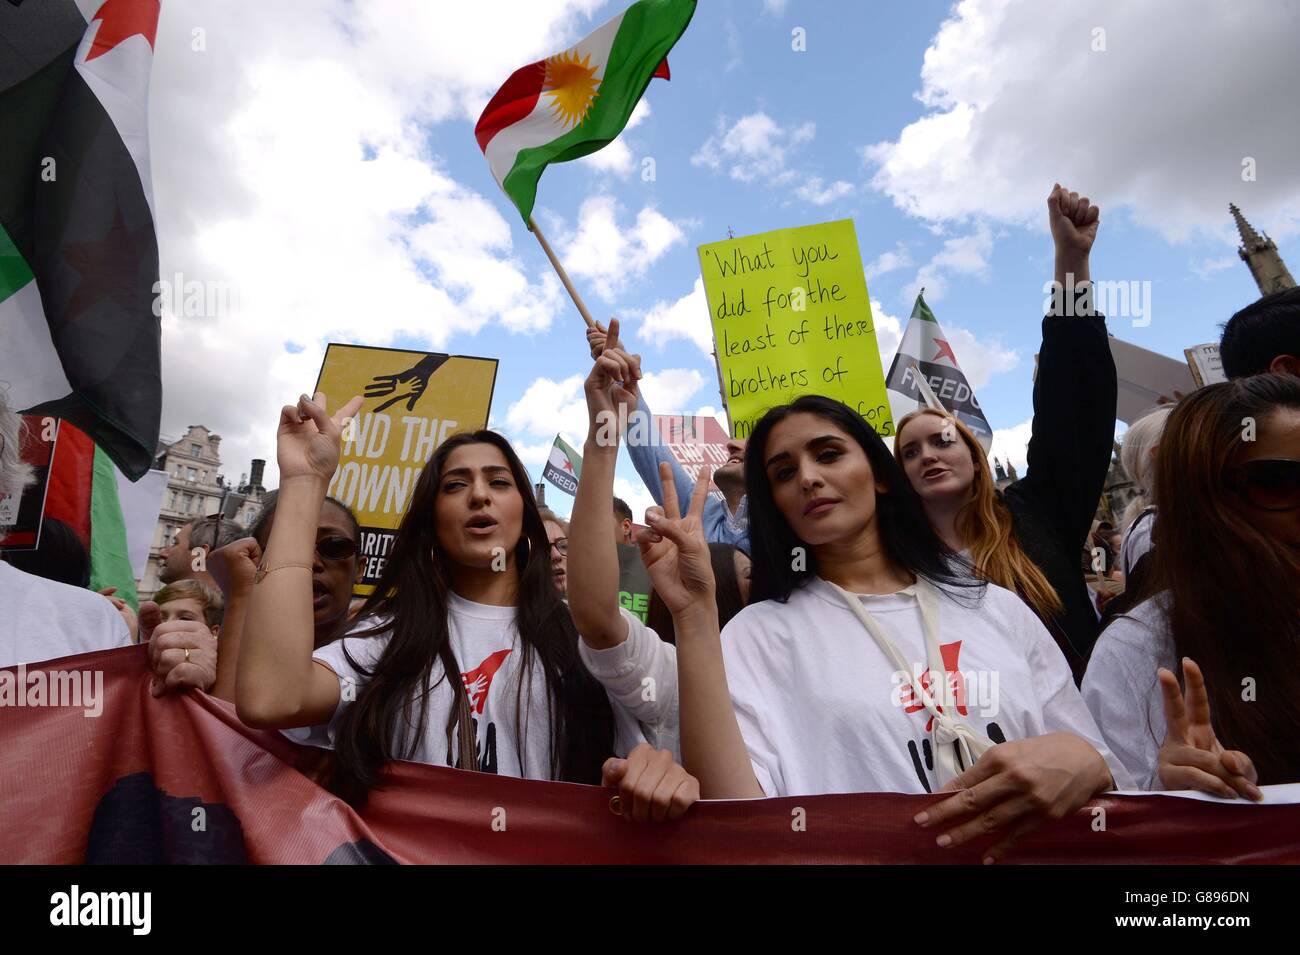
[(479, 680), (956, 685)]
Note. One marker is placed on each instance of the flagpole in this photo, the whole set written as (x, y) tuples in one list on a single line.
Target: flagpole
[(564, 276)]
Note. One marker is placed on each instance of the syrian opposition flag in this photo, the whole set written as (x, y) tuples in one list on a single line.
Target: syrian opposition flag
[(564, 467), (79, 339), (575, 102), (925, 349)]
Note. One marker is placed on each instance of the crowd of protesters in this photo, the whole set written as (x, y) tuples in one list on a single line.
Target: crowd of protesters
[(829, 623)]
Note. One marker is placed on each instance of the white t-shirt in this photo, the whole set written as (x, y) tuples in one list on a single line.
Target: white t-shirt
[(1137, 540), (489, 651), (822, 710), (42, 619), (1122, 692), (640, 676)]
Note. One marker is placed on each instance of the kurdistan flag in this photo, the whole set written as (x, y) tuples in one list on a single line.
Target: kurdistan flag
[(564, 467), (925, 348), (575, 102), (78, 254)]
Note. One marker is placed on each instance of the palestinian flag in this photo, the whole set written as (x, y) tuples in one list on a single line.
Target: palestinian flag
[(925, 348), (78, 253), (575, 102), (83, 493), (564, 467)]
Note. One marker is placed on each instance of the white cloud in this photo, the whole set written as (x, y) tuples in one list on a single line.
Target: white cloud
[(965, 255), (617, 157), (889, 332), (821, 194), (887, 262), (1018, 97), (609, 254), (1010, 444), (753, 148), (687, 318), (1205, 268), (776, 7), (670, 391), (980, 360), (548, 407), (306, 177)]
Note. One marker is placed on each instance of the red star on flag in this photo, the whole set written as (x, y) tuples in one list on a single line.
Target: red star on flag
[(568, 465), (120, 19), (944, 349)]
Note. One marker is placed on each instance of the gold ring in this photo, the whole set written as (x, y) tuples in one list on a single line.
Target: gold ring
[(187, 654), (616, 805)]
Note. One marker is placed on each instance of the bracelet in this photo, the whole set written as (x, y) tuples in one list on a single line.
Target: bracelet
[(263, 570)]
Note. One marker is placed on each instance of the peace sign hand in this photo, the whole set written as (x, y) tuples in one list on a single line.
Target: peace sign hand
[(1192, 756), (308, 441), (674, 550)]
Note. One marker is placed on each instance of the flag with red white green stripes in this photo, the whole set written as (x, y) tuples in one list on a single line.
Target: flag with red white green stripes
[(573, 103)]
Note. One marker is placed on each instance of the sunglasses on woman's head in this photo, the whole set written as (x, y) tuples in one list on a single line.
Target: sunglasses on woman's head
[(336, 548), (1269, 485)]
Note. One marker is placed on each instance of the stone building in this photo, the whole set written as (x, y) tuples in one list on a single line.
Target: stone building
[(195, 489), (1260, 254)]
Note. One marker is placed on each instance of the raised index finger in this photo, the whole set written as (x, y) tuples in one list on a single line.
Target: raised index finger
[(1175, 712), (669, 487), (699, 495), (1198, 698), (611, 338)]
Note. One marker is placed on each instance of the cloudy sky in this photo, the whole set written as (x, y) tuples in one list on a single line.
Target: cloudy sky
[(317, 157)]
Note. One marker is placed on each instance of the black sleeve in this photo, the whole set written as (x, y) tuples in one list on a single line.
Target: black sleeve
[(1073, 431)]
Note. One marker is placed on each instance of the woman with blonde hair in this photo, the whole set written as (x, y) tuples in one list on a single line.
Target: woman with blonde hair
[(1137, 455), (1027, 538)]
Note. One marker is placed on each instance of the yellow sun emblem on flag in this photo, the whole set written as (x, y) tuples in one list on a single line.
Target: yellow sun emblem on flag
[(571, 83)]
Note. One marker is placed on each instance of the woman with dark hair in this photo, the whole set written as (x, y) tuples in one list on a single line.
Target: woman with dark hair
[(1226, 578), (731, 570), (334, 570), (637, 668), (464, 655), (814, 688)]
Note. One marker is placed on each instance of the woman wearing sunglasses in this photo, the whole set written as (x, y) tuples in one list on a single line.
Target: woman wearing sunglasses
[(334, 571), (464, 655), (1227, 583)]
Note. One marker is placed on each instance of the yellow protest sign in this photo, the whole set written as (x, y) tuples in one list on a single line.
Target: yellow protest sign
[(791, 317), (414, 401)]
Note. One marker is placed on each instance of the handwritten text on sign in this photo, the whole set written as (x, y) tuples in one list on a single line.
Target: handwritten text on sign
[(791, 317)]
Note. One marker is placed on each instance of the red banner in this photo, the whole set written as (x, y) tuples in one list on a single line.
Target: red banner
[(180, 779)]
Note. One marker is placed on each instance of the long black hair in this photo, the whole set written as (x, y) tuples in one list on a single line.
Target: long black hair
[(905, 531), (726, 591), (411, 599)]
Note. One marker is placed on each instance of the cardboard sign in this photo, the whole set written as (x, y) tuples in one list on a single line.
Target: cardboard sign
[(23, 512), (1205, 364), (1145, 377), (791, 317), (413, 402)]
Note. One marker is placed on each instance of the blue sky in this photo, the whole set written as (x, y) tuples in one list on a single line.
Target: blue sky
[(937, 128)]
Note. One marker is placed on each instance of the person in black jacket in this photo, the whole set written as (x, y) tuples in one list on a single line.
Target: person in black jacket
[(1028, 537)]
